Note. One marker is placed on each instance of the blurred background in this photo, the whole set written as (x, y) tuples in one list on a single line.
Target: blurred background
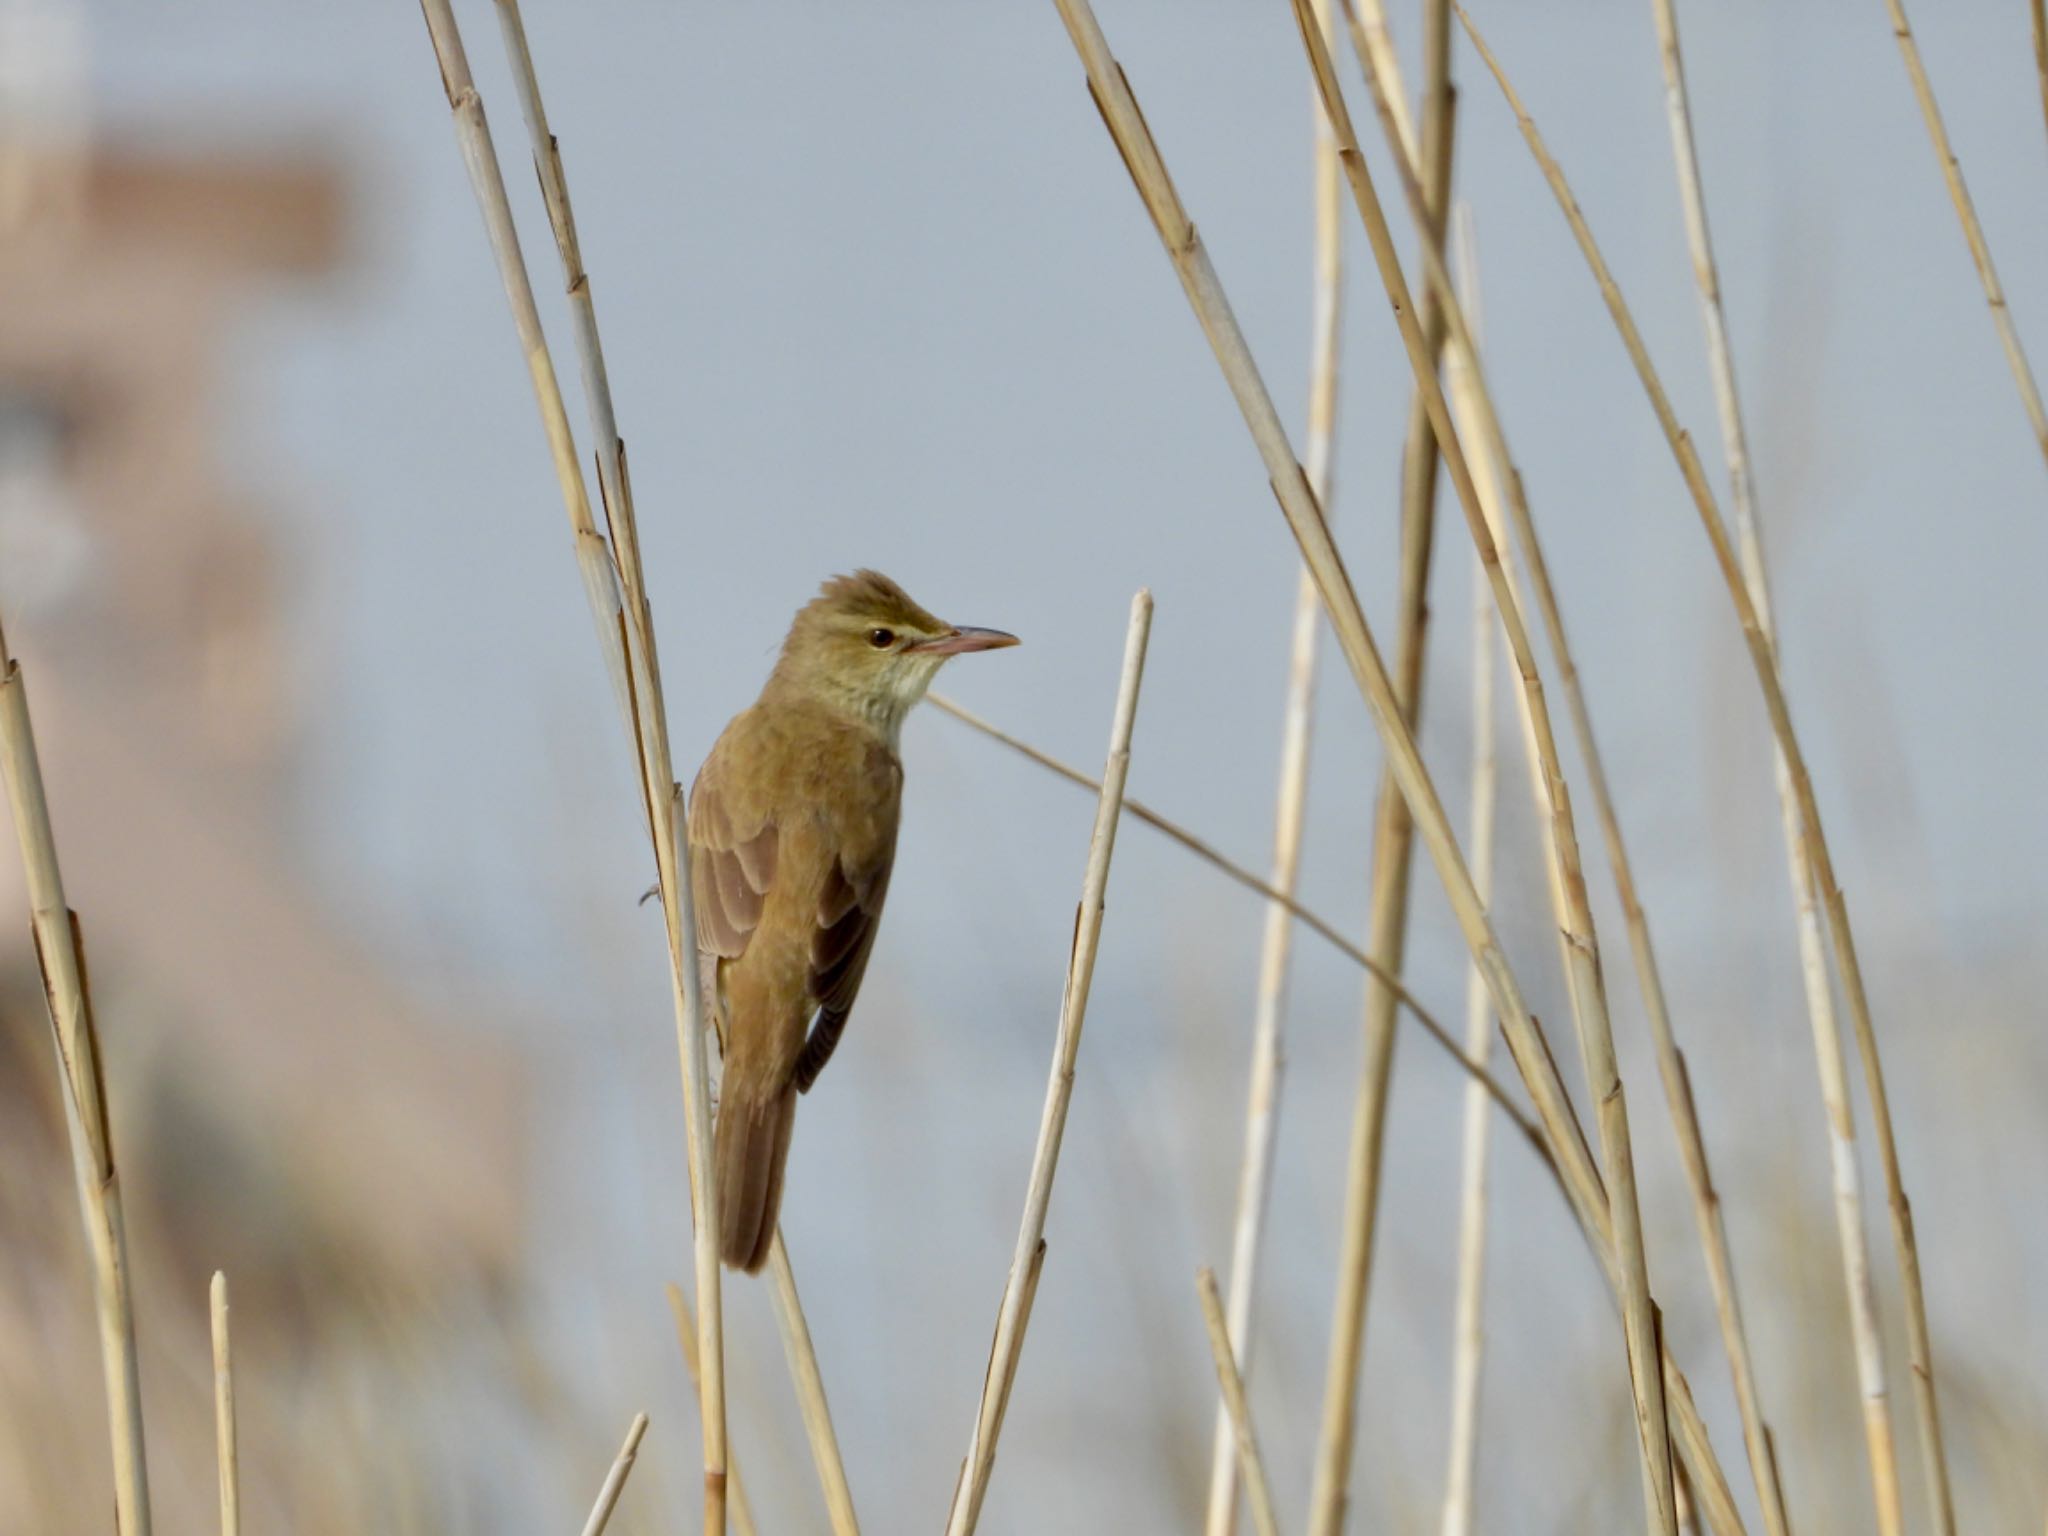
[(345, 810)]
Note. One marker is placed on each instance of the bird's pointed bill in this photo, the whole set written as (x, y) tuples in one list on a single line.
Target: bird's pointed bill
[(962, 639)]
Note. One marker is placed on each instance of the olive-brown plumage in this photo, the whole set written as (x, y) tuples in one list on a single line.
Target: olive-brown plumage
[(792, 833)]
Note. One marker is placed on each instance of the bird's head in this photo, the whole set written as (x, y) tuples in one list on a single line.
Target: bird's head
[(862, 644)]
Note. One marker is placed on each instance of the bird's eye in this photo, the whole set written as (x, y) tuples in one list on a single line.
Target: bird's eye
[(881, 639)]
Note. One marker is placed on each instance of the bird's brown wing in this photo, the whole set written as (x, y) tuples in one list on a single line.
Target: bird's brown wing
[(732, 862), (849, 912)]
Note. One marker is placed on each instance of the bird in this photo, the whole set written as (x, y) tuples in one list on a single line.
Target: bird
[(792, 832)]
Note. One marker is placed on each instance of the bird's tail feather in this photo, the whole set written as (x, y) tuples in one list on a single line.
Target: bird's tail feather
[(752, 1145)]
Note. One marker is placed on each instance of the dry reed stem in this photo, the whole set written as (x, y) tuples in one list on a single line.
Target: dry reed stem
[(1811, 834), (2039, 9), (227, 1449), (1469, 1310), (1236, 1407), (1008, 1344), (626, 605), (737, 1507), (1994, 296), (1262, 1109), (1310, 919), (60, 953), (615, 1480), (1472, 406), (1364, 21), (1812, 947), (1393, 843), (1493, 465), (1688, 1514), (810, 1392), (1371, 35), (1934, 1459), (1575, 916), (1579, 1175), (616, 586), (1023, 1323)]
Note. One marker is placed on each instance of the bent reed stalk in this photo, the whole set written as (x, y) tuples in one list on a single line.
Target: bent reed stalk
[(1763, 659), (1587, 987), (1578, 1172), (1317, 924), (1480, 417)]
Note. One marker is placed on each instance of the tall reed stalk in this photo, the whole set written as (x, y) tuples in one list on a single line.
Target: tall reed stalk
[(1987, 276), (617, 592), (1290, 807), (1021, 1284), (60, 955), (1393, 845), (1575, 916), (1494, 469), (1827, 1040), (1468, 1343), (686, 1338), (1812, 836), (1303, 514)]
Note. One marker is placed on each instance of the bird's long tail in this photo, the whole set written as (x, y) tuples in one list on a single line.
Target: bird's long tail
[(752, 1144)]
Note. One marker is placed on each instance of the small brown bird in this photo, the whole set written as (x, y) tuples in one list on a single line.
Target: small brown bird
[(792, 832)]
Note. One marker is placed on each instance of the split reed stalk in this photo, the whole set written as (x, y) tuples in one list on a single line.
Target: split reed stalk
[(1811, 833), (1393, 845), (737, 1507), (60, 955), (1310, 919), (1493, 466), (1020, 1286), (1262, 1109), (1236, 1407), (227, 1448), (616, 589), (1469, 1311), (1575, 917), (1980, 253), (615, 1480), (1578, 1172)]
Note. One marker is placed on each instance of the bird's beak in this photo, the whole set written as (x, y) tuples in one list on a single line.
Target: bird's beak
[(962, 639)]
